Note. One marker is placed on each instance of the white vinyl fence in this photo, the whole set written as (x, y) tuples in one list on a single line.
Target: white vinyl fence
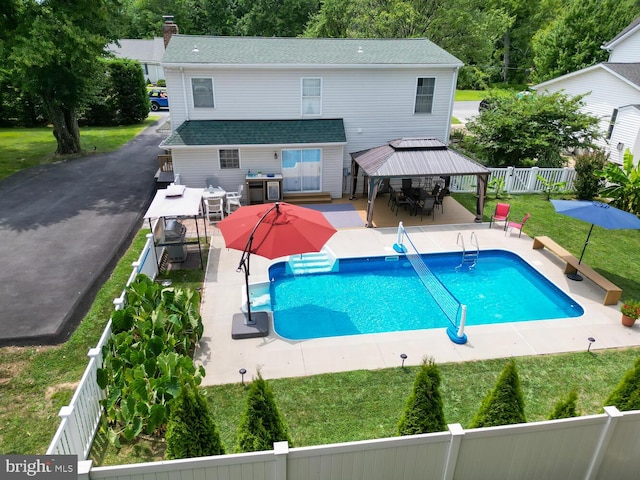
[(80, 419), (517, 180), (592, 447)]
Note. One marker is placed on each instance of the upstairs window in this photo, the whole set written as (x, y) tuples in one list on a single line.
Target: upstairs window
[(229, 159), (202, 90), (612, 123), (424, 95), (311, 96)]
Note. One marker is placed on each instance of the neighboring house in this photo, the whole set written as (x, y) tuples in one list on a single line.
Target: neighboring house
[(147, 52), (614, 92), (298, 107)]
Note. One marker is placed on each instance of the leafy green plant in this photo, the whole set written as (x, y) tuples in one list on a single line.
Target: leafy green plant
[(626, 395), (497, 185), (261, 424), (504, 405), (549, 187), (623, 184), (587, 183), (191, 430), (147, 358), (424, 410), (566, 407)]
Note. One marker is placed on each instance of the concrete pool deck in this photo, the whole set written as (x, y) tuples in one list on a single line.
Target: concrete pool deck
[(276, 357)]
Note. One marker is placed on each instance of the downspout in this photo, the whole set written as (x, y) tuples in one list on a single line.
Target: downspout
[(184, 95), (453, 96)]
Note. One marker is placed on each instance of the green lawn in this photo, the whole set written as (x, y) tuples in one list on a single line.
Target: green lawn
[(22, 148), (469, 95)]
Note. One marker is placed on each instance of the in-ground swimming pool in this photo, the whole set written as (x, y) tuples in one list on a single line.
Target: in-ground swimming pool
[(384, 294)]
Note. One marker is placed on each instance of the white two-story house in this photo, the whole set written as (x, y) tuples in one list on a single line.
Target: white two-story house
[(298, 107), (614, 93)]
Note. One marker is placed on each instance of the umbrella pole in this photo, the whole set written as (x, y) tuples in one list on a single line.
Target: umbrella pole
[(248, 320), (575, 275)]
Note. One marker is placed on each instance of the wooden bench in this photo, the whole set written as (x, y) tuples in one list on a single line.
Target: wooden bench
[(613, 292)]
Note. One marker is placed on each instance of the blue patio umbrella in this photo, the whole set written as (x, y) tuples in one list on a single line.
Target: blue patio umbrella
[(595, 213)]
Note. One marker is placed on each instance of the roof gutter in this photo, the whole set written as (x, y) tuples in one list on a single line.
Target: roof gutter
[(286, 66)]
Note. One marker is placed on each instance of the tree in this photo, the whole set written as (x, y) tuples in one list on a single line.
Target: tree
[(54, 51), (566, 407), (281, 18), (626, 395), (573, 40), (527, 129), (424, 411), (623, 184), (465, 28), (588, 182), (261, 424), (504, 405), (191, 430)]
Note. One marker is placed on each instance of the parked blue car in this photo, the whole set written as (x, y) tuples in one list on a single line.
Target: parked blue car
[(158, 99)]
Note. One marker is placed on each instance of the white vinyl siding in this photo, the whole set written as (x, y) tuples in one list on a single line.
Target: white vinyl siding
[(311, 100), (376, 104), (627, 134), (202, 92), (424, 95), (627, 51)]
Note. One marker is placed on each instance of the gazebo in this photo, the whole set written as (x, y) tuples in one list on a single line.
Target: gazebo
[(415, 157)]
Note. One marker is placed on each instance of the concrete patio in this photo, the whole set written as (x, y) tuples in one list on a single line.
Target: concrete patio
[(277, 357)]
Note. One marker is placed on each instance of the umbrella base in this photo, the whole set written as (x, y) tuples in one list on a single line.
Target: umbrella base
[(574, 276), (257, 327)]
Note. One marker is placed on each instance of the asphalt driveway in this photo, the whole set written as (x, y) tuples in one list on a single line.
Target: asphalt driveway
[(63, 228)]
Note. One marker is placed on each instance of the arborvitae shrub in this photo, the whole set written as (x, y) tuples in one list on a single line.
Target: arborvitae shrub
[(587, 183), (424, 412), (191, 430), (626, 395), (261, 424), (566, 407), (504, 405)]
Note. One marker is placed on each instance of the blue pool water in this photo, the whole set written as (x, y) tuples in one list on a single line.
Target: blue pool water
[(384, 294)]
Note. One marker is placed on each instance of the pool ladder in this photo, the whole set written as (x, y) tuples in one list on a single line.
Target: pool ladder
[(469, 258)]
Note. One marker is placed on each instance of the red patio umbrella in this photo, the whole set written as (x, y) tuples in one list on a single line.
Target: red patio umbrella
[(272, 231)]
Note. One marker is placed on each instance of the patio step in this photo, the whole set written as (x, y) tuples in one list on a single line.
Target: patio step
[(312, 197), (315, 262)]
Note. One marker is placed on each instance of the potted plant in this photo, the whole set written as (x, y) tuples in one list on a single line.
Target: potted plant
[(630, 312)]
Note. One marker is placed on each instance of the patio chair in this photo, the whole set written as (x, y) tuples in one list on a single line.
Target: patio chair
[(215, 212), (401, 200), (501, 214), (440, 199), (427, 206), (512, 225), (234, 199)]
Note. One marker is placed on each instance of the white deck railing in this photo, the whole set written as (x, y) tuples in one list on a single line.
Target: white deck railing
[(80, 419), (517, 180)]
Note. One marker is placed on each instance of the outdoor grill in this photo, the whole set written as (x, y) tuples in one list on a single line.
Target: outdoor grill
[(174, 234)]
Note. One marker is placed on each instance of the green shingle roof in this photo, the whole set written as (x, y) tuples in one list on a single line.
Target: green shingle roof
[(257, 132), (189, 49)]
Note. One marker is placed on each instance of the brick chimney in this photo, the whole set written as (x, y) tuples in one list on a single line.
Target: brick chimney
[(168, 29)]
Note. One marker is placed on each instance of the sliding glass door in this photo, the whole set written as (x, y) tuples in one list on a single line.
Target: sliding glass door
[(301, 170)]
